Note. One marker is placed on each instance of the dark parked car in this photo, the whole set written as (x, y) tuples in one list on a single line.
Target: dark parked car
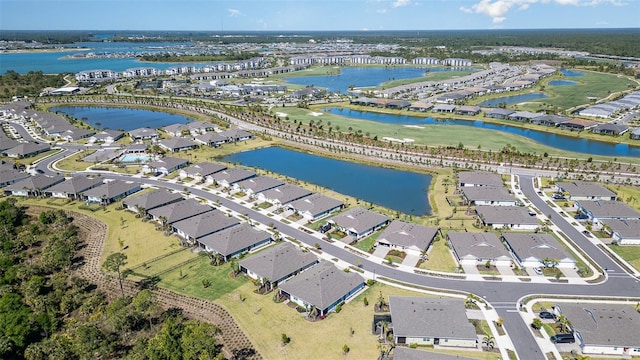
[(558, 197), (563, 338), (547, 315), (581, 216)]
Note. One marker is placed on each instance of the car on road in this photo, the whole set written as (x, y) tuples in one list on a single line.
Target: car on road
[(546, 315), (537, 270), (563, 338), (586, 233)]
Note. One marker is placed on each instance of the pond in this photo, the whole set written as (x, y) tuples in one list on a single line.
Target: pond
[(570, 73), (364, 77), (558, 141), (513, 99), (402, 191), (120, 118), (562, 83)]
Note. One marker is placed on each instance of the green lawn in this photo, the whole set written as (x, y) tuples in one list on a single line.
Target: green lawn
[(630, 253), (429, 76), (439, 258)]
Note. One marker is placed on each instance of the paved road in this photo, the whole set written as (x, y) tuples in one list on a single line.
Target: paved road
[(502, 295)]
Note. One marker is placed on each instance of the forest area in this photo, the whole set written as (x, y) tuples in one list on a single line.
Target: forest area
[(46, 312)]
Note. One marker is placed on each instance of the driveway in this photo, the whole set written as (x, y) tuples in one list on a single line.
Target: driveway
[(381, 252), (470, 269), (411, 259)]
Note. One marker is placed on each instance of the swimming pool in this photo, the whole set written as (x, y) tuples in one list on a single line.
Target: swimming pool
[(135, 158)]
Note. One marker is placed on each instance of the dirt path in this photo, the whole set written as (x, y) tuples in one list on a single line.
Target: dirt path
[(93, 233)]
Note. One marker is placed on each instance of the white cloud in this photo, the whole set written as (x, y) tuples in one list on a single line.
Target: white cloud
[(381, 11), (234, 12), (400, 3), (498, 9)]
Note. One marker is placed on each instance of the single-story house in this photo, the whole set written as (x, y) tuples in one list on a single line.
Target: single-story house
[(478, 248), (177, 144), (498, 113), (534, 250), (178, 211), (6, 142), (479, 178), (282, 195), (506, 217), (421, 106), (228, 177), (74, 134), (200, 171), (578, 124), (234, 241), (213, 139), (323, 286), (468, 110), (315, 206), (524, 116), (597, 211), (74, 187), (106, 136), (35, 185), (623, 231), (277, 264), (550, 120), (143, 134), (207, 223), (201, 127), (485, 195), (257, 184), (151, 200), (398, 104), (176, 130), (111, 191), (359, 222), (604, 329), (444, 108), (164, 165), (610, 129), (235, 135), (10, 176), (635, 133), (585, 190), (431, 321), (26, 149), (407, 236)]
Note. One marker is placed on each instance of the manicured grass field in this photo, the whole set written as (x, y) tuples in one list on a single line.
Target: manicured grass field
[(629, 194), (430, 76), (439, 258), (630, 253)]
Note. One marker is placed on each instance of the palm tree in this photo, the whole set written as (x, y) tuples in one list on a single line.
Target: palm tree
[(563, 323), (489, 340)]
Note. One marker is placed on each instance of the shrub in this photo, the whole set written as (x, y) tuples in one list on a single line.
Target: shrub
[(285, 339), (365, 301), (536, 324)]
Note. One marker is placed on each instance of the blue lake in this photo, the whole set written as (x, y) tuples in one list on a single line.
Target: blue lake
[(402, 191), (121, 118), (513, 99), (557, 141), (570, 73), (562, 83), (364, 77)]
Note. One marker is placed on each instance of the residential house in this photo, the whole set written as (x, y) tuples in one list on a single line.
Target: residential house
[(598, 211), (323, 286), (177, 144), (358, 222), (488, 195), (498, 113), (24, 150), (550, 120), (234, 241), (398, 104), (228, 177), (33, 185), (204, 224), (538, 250), (212, 139), (282, 195), (9, 176), (75, 134), (143, 134), (151, 200), (578, 124), (478, 248), (176, 130), (74, 187), (201, 127), (468, 110), (479, 178), (315, 206), (610, 129), (604, 329), (407, 236), (178, 211), (235, 135), (421, 106), (524, 116), (585, 190), (257, 184), (111, 191), (506, 217), (199, 172), (165, 165), (431, 321), (623, 231), (277, 264), (635, 133), (106, 136), (444, 108)]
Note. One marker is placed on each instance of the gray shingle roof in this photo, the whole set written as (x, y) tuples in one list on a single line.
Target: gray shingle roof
[(359, 219), (487, 193), (259, 183), (626, 228), (152, 199), (480, 178), (405, 234), (316, 204), (180, 210), (322, 285), (167, 163), (609, 209), (25, 149), (8, 176), (35, 182), (204, 224), (111, 189), (430, 317), (177, 143), (229, 241), (539, 246), (75, 185), (279, 261), (204, 169), (585, 188), (286, 193), (477, 245), (232, 175), (516, 215), (604, 324)]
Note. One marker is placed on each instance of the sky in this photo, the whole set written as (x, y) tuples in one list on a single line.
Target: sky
[(316, 15)]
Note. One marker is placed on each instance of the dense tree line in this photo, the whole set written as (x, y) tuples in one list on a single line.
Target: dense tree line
[(45, 313), (29, 84), (233, 56)]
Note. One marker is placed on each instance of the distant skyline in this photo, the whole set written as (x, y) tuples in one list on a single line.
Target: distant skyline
[(316, 15)]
